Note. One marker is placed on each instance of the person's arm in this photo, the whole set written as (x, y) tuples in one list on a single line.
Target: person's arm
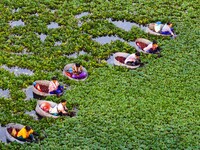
[(170, 31), (148, 47)]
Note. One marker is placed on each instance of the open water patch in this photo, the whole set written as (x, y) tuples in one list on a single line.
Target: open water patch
[(29, 93), (126, 25), (53, 25), (16, 23), (3, 134), (4, 93), (18, 71), (58, 43), (53, 10), (110, 60), (33, 114), (16, 10), (42, 36), (107, 39), (82, 15), (76, 54)]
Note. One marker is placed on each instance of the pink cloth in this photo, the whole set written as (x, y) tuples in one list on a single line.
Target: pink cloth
[(53, 86)]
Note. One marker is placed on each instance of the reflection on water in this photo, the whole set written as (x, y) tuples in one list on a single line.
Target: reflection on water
[(33, 114), (17, 71), (82, 15), (58, 43), (53, 25), (110, 60), (75, 55), (29, 93), (3, 134), (107, 39), (4, 93), (126, 25), (16, 23)]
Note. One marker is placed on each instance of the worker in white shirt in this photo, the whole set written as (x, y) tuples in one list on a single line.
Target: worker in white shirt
[(59, 109), (133, 59), (151, 48), (167, 29)]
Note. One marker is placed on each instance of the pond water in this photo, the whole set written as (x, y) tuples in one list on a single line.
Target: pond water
[(53, 25), (58, 43), (53, 10), (76, 54), (3, 134), (110, 60), (126, 25), (29, 93), (82, 15), (18, 71), (16, 23), (107, 39), (15, 10), (42, 36), (4, 93), (33, 114)]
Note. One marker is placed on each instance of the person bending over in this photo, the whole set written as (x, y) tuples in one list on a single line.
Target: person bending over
[(133, 59)]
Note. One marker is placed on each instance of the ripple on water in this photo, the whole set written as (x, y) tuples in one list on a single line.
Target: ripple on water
[(16, 23), (18, 71), (4, 93)]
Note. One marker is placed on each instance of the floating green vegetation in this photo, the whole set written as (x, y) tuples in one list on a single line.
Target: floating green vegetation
[(152, 107)]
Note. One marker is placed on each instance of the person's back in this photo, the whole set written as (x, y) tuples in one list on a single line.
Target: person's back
[(24, 133), (151, 47), (77, 68), (130, 58), (167, 29)]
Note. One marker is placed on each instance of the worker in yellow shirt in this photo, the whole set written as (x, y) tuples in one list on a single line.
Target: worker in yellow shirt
[(26, 134)]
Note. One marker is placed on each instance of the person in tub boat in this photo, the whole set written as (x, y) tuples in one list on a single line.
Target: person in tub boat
[(167, 29), (59, 109), (133, 59), (25, 134), (55, 87), (77, 71), (152, 48)]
